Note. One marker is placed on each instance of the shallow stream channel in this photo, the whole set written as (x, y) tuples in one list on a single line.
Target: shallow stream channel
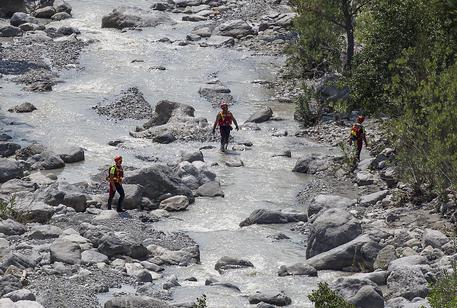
[(65, 116)]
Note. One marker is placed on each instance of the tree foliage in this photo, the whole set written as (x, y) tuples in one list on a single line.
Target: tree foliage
[(324, 297)]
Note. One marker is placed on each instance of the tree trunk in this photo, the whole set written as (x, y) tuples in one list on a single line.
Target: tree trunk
[(349, 27)]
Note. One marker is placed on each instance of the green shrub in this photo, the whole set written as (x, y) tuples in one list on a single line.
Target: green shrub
[(443, 293), (324, 297)]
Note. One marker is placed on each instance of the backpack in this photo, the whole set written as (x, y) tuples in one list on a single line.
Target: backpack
[(356, 132), (109, 170)]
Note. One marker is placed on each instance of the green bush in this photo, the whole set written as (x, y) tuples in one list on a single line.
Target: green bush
[(443, 293), (303, 110), (324, 297)]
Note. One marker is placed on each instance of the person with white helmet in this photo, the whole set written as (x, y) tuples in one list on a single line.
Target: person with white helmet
[(115, 176), (225, 119)]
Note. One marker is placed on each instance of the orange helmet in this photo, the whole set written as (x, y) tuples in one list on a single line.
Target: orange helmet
[(360, 119), (117, 158)]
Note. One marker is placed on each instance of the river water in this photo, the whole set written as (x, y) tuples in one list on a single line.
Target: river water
[(65, 116)]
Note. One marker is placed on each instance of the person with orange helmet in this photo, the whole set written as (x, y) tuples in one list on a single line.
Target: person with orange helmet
[(115, 176), (358, 136), (224, 119)]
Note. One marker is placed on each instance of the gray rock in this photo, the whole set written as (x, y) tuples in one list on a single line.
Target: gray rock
[(193, 18), (261, 116), (364, 178), (192, 156), (332, 228), (371, 199), (367, 297), (204, 30), (157, 181), (324, 202), (215, 94), (46, 161), (410, 261), (45, 12), (407, 282), (10, 31), (210, 189), (279, 299), (41, 232), (285, 153), (66, 30), (164, 138), (171, 283), (263, 216), (62, 6), (4, 247), (20, 295), (18, 260), (18, 185), (72, 155), (235, 28), (160, 6), (9, 283), (20, 18), (60, 16), (190, 181), (341, 257), (349, 286), (312, 163), (119, 244), (234, 163), (126, 17), (6, 302), (384, 257), (176, 203), (8, 148), (10, 170), (34, 211), (65, 251), (228, 263), (183, 257), (185, 3), (378, 277), (22, 108), (434, 238), (297, 269), (11, 227), (131, 301), (30, 150)]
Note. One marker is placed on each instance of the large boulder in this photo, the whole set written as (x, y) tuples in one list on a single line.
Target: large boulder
[(192, 156), (72, 155), (18, 185), (20, 18), (29, 151), (360, 292), (434, 238), (185, 3), (10, 170), (297, 269), (312, 163), (17, 260), (62, 6), (158, 180), (65, 251), (66, 194), (332, 228), (182, 257), (371, 199), (33, 211), (45, 12), (261, 116), (227, 263), (92, 257), (9, 7), (20, 295), (126, 17), (133, 301), (11, 227), (46, 160), (22, 108), (367, 297), (386, 255), (42, 232), (277, 299), (210, 189), (324, 202), (408, 282), (263, 216), (176, 203), (121, 244), (235, 28), (10, 31), (8, 148), (9, 283)]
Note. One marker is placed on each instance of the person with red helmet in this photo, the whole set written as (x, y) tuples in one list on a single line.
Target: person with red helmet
[(224, 119), (358, 135), (115, 176)]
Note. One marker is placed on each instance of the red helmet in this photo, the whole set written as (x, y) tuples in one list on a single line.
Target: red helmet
[(224, 104), (360, 119), (117, 158)]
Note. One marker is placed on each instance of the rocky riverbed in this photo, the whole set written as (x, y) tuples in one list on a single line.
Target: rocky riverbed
[(259, 226)]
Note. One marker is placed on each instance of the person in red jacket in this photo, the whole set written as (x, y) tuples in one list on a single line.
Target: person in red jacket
[(358, 136), (115, 176), (225, 119)]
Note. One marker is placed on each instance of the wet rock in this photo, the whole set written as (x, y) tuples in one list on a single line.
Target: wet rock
[(324, 202), (285, 153), (193, 18), (192, 156), (332, 228), (215, 94), (65, 30), (234, 162), (263, 216), (407, 282), (62, 7), (20, 18), (11, 227), (210, 189), (158, 180), (279, 299), (176, 203), (434, 238), (66, 194), (312, 163), (42, 232), (261, 116), (39, 86), (297, 269), (10, 31), (126, 17), (30, 150), (160, 6), (65, 251), (228, 263), (343, 256), (171, 282), (9, 283), (5, 137), (45, 12), (60, 16), (20, 295), (24, 107), (164, 138), (136, 270), (384, 257), (235, 28), (185, 3), (46, 160), (182, 257), (72, 155), (132, 301), (371, 199), (367, 297), (8, 148)]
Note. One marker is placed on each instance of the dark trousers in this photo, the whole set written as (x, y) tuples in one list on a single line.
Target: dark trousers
[(359, 145), (225, 134), (112, 192)]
